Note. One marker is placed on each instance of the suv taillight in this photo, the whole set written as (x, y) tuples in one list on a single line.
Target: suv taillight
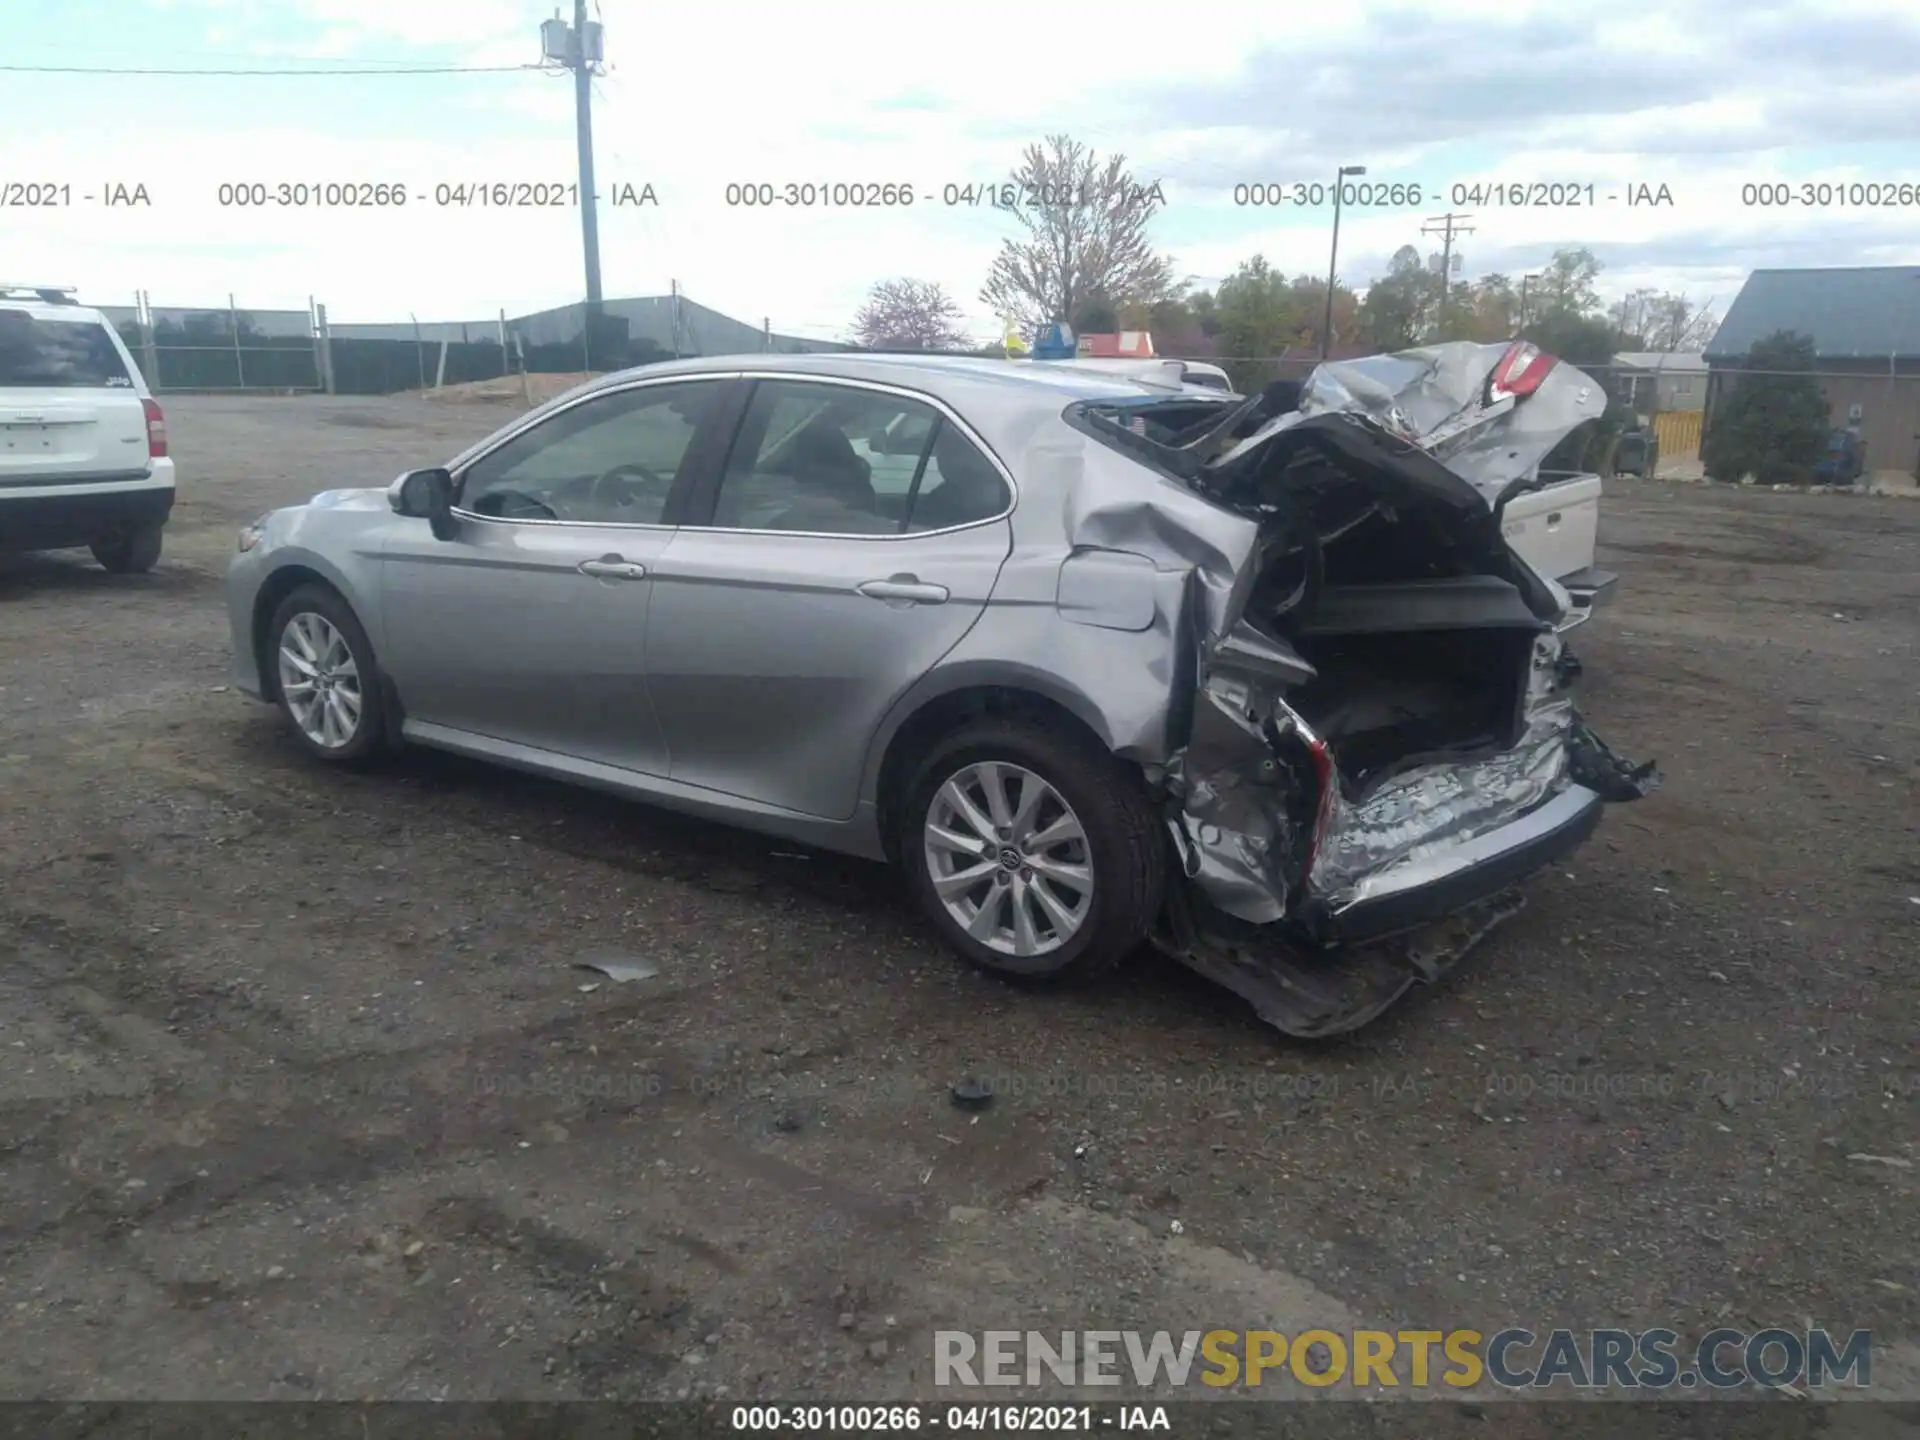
[(1520, 371), (156, 430)]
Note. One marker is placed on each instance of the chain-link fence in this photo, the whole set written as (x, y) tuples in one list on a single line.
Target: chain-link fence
[(221, 347), (232, 349), (1661, 407)]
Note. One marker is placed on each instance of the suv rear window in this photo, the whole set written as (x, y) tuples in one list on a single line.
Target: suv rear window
[(40, 354)]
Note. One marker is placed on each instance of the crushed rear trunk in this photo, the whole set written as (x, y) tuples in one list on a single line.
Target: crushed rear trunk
[(1384, 742)]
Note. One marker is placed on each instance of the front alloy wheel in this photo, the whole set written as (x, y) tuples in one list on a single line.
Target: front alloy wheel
[(321, 681), (325, 676), (1008, 859)]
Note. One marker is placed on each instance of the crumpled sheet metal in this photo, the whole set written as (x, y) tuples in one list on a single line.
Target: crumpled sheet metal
[(1114, 505), (1230, 793), (1418, 394), (1232, 823), (1414, 815), (1233, 819)]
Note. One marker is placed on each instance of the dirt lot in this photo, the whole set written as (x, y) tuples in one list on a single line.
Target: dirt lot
[(302, 1098)]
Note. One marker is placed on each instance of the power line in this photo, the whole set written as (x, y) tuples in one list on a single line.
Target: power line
[(146, 70)]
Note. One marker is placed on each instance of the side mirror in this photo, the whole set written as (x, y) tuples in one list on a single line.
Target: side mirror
[(425, 495)]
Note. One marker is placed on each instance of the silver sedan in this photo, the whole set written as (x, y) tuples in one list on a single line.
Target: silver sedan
[(1092, 659)]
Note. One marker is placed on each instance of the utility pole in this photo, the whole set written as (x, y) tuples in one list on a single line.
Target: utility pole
[(1447, 225), (578, 48)]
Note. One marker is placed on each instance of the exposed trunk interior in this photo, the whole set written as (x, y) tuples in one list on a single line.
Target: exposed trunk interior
[(1387, 701), (1412, 618), (1381, 568)]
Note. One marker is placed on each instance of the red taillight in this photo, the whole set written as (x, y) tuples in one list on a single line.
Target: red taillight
[(156, 430), (1520, 370), (1328, 779)]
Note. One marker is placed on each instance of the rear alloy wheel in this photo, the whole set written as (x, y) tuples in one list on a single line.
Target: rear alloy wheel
[(1032, 855), (324, 676), (129, 552)]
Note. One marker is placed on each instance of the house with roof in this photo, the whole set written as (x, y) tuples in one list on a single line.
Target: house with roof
[(1864, 322), (1659, 383)]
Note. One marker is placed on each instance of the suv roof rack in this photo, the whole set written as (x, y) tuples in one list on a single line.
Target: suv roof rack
[(52, 294)]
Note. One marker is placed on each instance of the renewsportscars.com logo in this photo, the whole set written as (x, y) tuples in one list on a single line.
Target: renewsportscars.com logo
[(1514, 1358)]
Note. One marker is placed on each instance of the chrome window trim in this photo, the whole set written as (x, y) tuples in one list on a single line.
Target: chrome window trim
[(946, 412), (534, 420), (904, 392)]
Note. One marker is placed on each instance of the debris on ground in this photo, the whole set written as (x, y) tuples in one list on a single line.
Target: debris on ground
[(617, 967), (973, 1095)]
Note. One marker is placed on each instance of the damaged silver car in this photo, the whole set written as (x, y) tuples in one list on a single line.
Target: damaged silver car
[(1093, 659)]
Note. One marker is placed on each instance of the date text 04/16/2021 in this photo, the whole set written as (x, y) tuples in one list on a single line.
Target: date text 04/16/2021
[(445, 194), (901, 195), (1467, 194), (959, 1419)]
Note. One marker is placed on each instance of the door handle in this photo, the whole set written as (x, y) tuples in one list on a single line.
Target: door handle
[(905, 588), (612, 567)]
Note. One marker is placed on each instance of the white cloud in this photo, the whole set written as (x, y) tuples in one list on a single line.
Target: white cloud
[(701, 96)]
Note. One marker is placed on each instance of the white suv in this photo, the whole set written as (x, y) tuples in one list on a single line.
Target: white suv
[(83, 445)]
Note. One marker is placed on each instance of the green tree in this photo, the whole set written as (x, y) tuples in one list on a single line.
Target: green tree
[(1085, 235), (1179, 322), (1310, 308), (1582, 340), (1773, 424), (1095, 315), (1567, 283), (1206, 314), (1489, 310), (1259, 317), (1400, 307)]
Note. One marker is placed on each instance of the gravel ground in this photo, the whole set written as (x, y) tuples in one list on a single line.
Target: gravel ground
[(302, 1097)]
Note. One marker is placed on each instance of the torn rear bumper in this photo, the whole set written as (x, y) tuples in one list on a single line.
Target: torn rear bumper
[(1333, 970), (1313, 995), (1461, 874)]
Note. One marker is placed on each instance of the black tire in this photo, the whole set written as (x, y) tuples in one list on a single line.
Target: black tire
[(368, 740), (1125, 843), (128, 552)]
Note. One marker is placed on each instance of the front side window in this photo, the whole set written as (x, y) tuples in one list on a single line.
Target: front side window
[(833, 460), (611, 460), (40, 354)]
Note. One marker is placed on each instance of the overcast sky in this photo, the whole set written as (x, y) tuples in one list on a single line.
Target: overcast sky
[(1703, 98)]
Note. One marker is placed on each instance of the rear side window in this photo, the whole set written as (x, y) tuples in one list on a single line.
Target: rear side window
[(40, 354), (830, 459)]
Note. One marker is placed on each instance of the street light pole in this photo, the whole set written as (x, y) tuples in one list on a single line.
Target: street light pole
[(1333, 259)]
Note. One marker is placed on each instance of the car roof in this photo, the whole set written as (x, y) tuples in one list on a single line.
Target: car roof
[(45, 310), (952, 377)]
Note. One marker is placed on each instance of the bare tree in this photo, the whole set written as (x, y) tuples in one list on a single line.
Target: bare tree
[(1677, 324), (909, 315), (1633, 315), (1086, 236)]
